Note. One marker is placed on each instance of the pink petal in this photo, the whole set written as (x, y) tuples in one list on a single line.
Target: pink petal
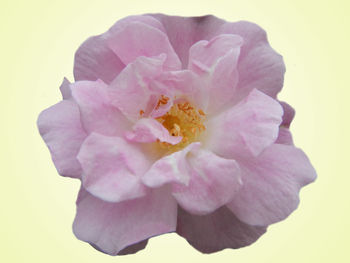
[(150, 130), (215, 61), (271, 184), (95, 60), (169, 169), (97, 112), (111, 227), (259, 66), (65, 89), (213, 183), (216, 231), (205, 55), (288, 114), (130, 91), (135, 38), (132, 249), (163, 109), (179, 84), (250, 126), (112, 168), (284, 137), (183, 32), (63, 134), (145, 19)]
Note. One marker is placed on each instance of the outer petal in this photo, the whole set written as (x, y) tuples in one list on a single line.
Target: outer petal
[(216, 231), (216, 62), (252, 125), (183, 32), (133, 248), (112, 168), (271, 184), (145, 19), (288, 114), (130, 90), (284, 136), (214, 182), (65, 89), (63, 134), (95, 60), (169, 169), (97, 112), (150, 130), (136, 38), (111, 227), (259, 66)]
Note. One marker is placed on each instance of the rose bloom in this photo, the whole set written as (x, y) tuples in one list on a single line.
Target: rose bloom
[(172, 125)]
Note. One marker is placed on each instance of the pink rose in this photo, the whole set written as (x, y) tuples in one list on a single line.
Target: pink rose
[(172, 124)]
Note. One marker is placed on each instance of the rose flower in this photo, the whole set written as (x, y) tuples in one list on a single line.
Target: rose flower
[(172, 125)]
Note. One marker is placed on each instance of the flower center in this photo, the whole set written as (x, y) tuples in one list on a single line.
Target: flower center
[(183, 119)]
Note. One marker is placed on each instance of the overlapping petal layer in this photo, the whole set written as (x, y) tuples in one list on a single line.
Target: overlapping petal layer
[(112, 168), (123, 128), (112, 227), (96, 111), (63, 134), (248, 127), (216, 231), (271, 184)]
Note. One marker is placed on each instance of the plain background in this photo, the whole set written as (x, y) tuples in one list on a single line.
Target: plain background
[(38, 40)]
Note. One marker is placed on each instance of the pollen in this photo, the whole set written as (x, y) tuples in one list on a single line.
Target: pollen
[(183, 119), (162, 101)]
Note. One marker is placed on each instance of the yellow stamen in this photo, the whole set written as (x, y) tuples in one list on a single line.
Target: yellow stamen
[(183, 119), (162, 101)]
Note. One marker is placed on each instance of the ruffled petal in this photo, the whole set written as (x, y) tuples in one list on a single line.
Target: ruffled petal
[(112, 168), (130, 91), (150, 130), (133, 248), (61, 129), (259, 66), (288, 114), (284, 136), (183, 32), (205, 55), (213, 183), (97, 112), (271, 184), (65, 89), (250, 126), (177, 85), (95, 60), (216, 231), (112, 227), (173, 168), (216, 62), (145, 19), (132, 39)]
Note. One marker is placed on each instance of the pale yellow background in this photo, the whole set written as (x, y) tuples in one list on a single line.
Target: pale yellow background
[(38, 40)]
